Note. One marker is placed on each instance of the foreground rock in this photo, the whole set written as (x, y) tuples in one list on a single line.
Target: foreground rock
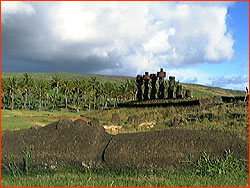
[(57, 144), (65, 142), (169, 148)]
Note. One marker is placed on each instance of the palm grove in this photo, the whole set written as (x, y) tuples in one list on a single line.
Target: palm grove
[(57, 93)]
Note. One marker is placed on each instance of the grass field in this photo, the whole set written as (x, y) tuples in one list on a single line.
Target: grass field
[(68, 76), (229, 117), (78, 177)]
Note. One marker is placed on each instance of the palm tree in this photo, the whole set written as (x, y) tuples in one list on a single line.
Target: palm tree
[(94, 87), (26, 85), (52, 96), (12, 89), (131, 84), (4, 94), (42, 89), (56, 83), (79, 88), (107, 93), (66, 90)]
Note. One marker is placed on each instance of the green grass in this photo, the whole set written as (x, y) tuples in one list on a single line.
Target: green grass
[(23, 119), (79, 177), (229, 117), (232, 117), (200, 91), (68, 76)]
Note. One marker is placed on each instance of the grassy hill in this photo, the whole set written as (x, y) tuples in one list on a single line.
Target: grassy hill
[(68, 76), (198, 90)]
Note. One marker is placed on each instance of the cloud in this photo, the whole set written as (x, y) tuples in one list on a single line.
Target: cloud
[(191, 80), (222, 81), (188, 75), (16, 7), (116, 37)]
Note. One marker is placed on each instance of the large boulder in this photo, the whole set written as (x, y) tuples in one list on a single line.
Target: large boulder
[(59, 143), (168, 149)]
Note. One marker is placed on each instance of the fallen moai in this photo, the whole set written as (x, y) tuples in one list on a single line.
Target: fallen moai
[(65, 142), (59, 143), (169, 148)]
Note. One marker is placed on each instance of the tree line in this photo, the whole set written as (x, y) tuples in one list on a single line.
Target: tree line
[(57, 93)]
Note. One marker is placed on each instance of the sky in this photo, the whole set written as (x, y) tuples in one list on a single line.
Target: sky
[(203, 43)]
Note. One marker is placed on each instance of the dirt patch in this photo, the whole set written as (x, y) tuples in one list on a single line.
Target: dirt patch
[(147, 124), (112, 127), (39, 124)]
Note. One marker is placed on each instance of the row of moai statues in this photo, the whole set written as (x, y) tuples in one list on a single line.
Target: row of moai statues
[(161, 92)]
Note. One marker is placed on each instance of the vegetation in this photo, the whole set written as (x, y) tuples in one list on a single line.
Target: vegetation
[(28, 93), (205, 166), (205, 172), (28, 100), (82, 177), (77, 92)]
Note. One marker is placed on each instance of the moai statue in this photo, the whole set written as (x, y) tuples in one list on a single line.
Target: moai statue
[(146, 78), (171, 87), (179, 92), (153, 84), (161, 76), (139, 81), (188, 93)]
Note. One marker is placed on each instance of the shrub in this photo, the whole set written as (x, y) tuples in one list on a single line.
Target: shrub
[(205, 166)]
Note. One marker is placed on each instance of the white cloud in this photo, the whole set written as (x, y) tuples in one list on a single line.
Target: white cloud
[(126, 37), (14, 7), (186, 75), (223, 81)]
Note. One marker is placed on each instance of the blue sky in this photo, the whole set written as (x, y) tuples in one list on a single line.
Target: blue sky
[(198, 42), (238, 25)]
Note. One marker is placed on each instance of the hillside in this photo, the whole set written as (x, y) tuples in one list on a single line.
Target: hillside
[(68, 76), (198, 90)]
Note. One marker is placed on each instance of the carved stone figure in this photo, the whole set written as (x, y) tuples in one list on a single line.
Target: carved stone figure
[(146, 78), (161, 76), (171, 87), (139, 81), (153, 78), (179, 92)]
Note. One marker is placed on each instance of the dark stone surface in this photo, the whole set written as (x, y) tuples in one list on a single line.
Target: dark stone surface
[(179, 92), (139, 81), (115, 118), (59, 143), (188, 93), (161, 88), (146, 89), (171, 92), (133, 119), (233, 99), (167, 149), (65, 142), (95, 122), (80, 122), (210, 100), (153, 78)]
